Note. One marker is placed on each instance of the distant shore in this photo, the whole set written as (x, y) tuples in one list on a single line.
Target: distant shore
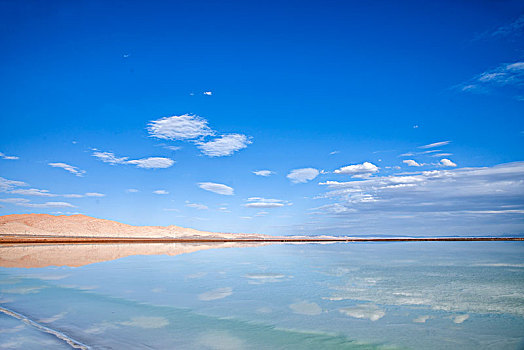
[(29, 239), (82, 229)]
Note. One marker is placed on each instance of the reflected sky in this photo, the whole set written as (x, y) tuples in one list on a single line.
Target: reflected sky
[(430, 295)]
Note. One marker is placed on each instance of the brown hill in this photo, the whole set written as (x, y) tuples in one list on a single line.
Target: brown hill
[(86, 226)]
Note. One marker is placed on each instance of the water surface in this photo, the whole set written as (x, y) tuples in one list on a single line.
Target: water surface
[(431, 295)]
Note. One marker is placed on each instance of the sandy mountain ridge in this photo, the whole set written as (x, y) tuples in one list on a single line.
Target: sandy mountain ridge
[(85, 226)]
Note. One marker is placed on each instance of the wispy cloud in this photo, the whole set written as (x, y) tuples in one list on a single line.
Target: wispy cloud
[(72, 169), (172, 148), (197, 206), (302, 175), (363, 170), (152, 162), (436, 144), (429, 198), (13, 187), (146, 163), (14, 200), (27, 203), (225, 145), (46, 193), (263, 172), (507, 75), (94, 194), (439, 155), (259, 202), (160, 192), (181, 127), (33, 192), (411, 162), (4, 156), (217, 188), (6, 184), (515, 27)]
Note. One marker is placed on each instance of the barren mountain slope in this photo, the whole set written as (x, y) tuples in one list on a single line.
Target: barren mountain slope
[(86, 226)]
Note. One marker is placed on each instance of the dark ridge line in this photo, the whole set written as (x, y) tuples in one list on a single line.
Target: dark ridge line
[(102, 240)]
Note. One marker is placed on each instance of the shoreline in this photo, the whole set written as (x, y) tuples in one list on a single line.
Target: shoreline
[(18, 239)]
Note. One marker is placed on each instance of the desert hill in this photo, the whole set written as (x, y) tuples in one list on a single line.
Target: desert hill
[(86, 226)]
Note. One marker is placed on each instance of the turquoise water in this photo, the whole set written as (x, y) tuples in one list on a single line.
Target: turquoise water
[(423, 295)]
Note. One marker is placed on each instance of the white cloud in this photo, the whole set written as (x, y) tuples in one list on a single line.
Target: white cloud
[(182, 127), (208, 93), (302, 175), (72, 169), (152, 162), (263, 172), (160, 192), (259, 202), (436, 144), (193, 128), (4, 156), (369, 311), (27, 203), (411, 162), (11, 186), (109, 157), (217, 188), (447, 162), (94, 194), (465, 200), (334, 152), (197, 206), (14, 200), (33, 192), (430, 151), (6, 184), (225, 145), (215, 294), (46, 193), (146, 163), (132, 190), (363, 170)]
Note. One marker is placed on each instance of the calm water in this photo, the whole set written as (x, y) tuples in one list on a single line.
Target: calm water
[(337, 296)]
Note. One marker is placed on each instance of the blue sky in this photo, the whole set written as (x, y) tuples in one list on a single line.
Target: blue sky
[(366, 118)]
